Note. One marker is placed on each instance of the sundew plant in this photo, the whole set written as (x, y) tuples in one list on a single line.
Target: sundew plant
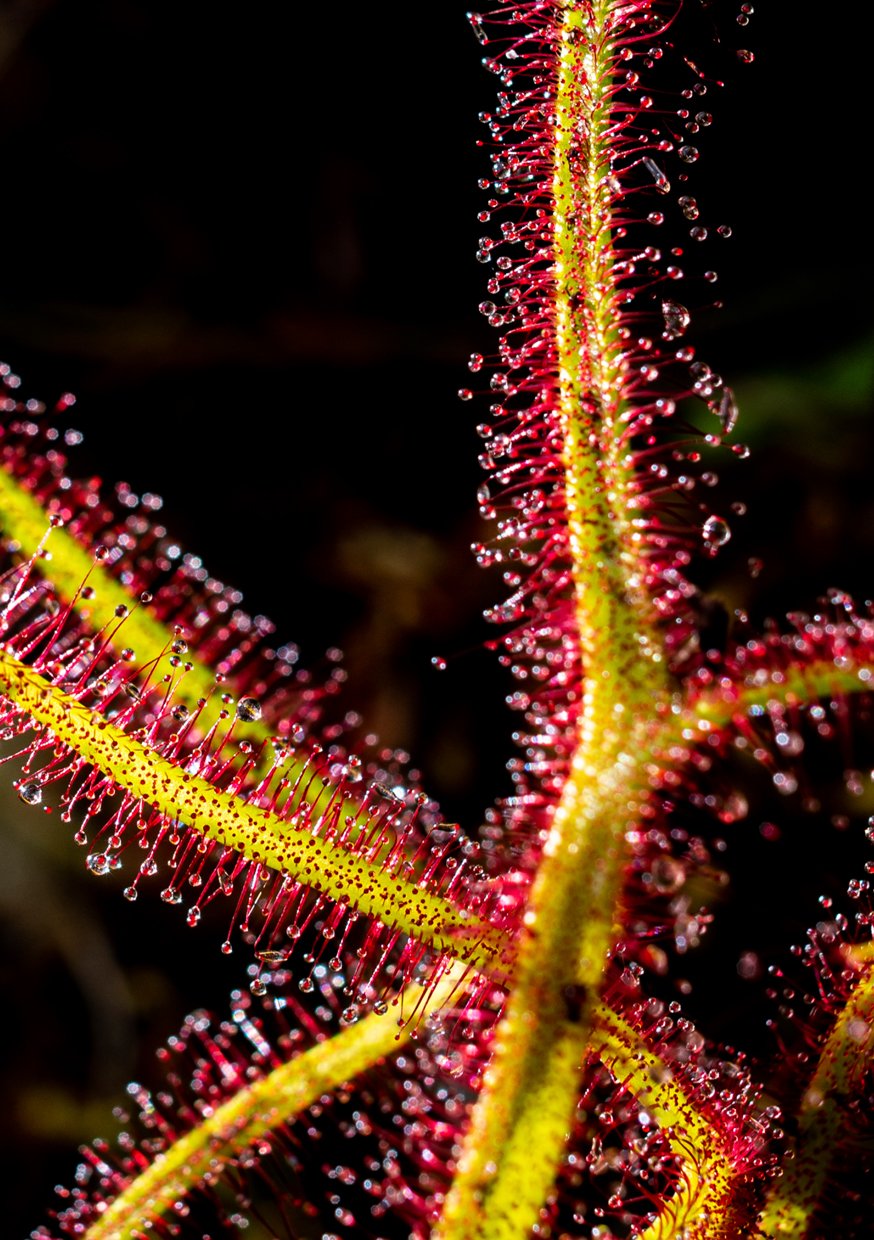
[(462, 1030)]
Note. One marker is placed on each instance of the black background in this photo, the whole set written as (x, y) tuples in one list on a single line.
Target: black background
[(244, 236)]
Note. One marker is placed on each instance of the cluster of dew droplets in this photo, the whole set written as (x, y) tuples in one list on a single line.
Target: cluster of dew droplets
[(673, 140), (383, 1145), (250, 730), (619, 1161), (522, 434)]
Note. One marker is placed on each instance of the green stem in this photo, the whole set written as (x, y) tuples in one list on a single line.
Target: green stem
[(259, 1109), (797, 1195), (520, 1124), (797, 685), (71, 565), (701, 1206), (258, 834)]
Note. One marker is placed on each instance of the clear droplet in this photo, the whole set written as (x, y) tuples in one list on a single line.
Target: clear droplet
[(98, 863), (726, 409), (677, 319), (791, 743), (859, 1030), (273, 957), (716, 531), (662, 183), (30, 793), (749, 966), (248, 709)]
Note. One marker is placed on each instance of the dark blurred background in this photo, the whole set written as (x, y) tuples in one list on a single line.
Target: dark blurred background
[(244, 236)]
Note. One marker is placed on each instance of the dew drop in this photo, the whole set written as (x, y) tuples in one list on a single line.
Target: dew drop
[(306, 984), (716, 532), (749, 966), (745, 56), (790, 743), (662, 183), (688, 154), (475, 362), (248, 709), (30, 793), (193, 916), (98, 863), (353, 771), (726, 409), (859, 1030), (667, 874), (130, 893), (785, 783), (677, 319), (273, 957)]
